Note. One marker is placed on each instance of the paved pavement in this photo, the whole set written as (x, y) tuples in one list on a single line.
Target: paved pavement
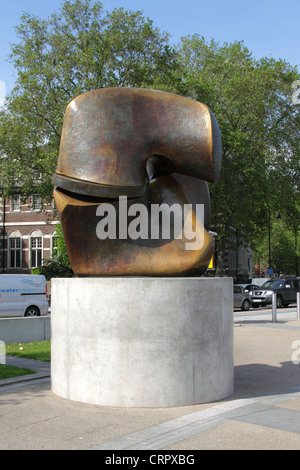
[(263, 412)]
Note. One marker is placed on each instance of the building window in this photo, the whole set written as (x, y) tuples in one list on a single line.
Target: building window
[(55, 241), (15, 204), (36, 202), (36, 252), (15, 252)]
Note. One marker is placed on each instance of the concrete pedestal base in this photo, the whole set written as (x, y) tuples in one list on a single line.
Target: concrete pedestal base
[(142, 342)]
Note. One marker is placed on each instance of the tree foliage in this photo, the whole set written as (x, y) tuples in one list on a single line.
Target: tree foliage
[(251, 100), (59, 265), (82, 47), (78, 49)]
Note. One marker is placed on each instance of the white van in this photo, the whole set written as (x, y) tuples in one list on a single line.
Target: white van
[(23, 295)]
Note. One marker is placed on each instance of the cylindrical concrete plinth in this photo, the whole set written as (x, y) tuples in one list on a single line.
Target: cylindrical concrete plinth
[(142, 342)]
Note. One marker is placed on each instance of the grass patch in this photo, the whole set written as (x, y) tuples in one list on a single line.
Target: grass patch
[(40, 350), (6, 372)]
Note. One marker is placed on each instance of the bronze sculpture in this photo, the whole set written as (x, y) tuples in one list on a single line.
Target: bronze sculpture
[(153, 147)]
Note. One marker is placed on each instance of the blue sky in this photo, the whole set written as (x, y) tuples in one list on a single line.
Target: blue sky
[(267, 27)]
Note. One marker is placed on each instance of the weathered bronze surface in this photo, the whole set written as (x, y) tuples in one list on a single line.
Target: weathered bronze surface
[(153, 147)]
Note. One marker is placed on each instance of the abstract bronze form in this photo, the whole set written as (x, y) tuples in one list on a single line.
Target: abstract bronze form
[(152, 147)]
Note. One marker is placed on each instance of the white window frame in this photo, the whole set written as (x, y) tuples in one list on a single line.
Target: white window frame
[(36, 235), (14, 250), (15, 201), (14, 235), (54, 248), (36, 203)]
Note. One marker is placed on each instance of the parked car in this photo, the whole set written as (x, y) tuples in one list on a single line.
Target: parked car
[(286, 290), (249, 288), (259, 281), (23, 295), (241, 299)]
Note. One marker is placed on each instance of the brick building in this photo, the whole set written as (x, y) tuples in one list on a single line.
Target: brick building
[(28, 236), (27, 233)]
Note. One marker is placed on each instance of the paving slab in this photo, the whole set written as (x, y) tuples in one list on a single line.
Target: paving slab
[(263, 412)]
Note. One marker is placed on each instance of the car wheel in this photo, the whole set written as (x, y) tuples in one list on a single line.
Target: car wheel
[(279, 301), (32, 311), (246, 304)]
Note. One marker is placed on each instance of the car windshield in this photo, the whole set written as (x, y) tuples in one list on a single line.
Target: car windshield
[(237, 289), (273, 284)]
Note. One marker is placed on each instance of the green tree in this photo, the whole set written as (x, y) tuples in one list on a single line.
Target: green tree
[(251, 100), (59, 265), (78, 49), (82, 47)]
